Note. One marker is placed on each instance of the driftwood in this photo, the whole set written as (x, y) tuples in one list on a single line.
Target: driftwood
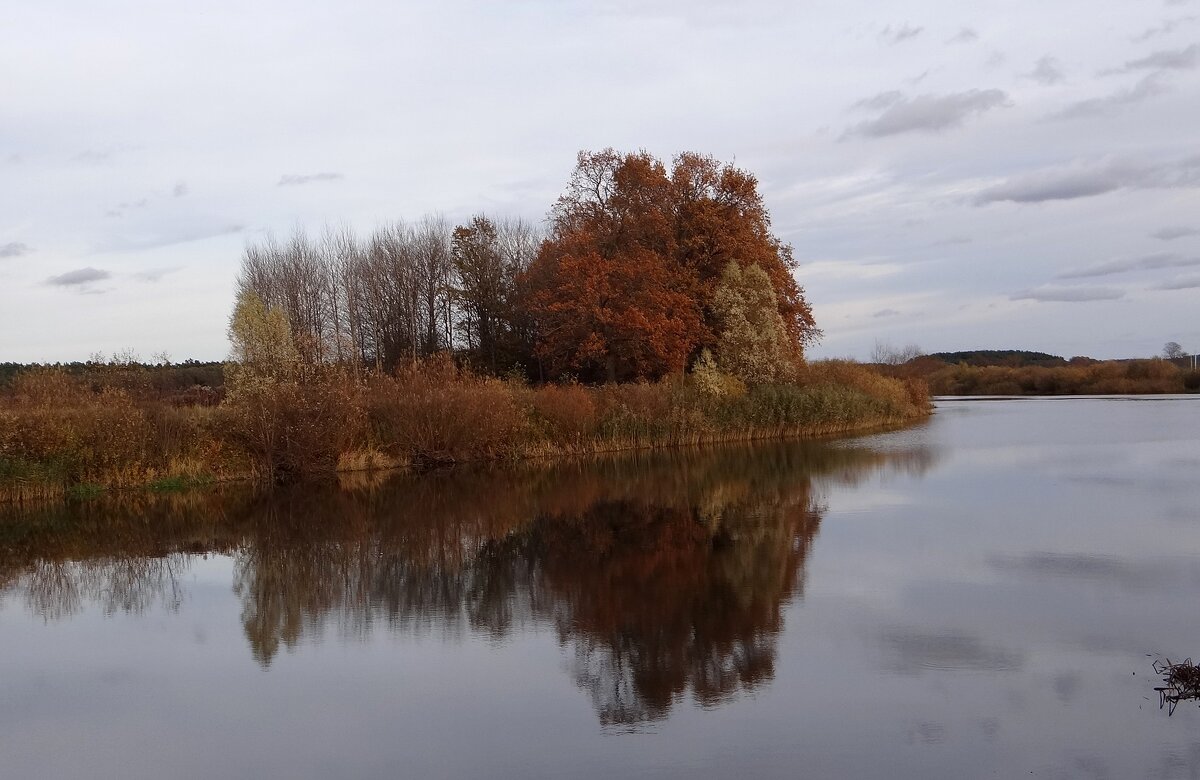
[(1181, 682)]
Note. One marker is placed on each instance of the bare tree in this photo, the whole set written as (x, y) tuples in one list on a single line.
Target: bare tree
[(886, 354), (1173, 351)]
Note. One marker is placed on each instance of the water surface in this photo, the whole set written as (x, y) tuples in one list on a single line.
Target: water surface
[(980, 596)]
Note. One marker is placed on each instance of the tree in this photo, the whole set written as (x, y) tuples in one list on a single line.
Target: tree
[(633, 236), (261, 340), (887, 355), (753, 342), (480, 283), (614, 318), (720, 218), (489, 258), (1173, 351)]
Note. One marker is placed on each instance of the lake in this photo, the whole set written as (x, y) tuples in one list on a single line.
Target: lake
[(979, 596)]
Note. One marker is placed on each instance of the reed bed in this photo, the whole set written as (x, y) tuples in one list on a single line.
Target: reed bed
[(61, 436)]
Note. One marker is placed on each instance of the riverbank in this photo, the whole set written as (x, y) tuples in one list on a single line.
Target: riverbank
[(62, 436)]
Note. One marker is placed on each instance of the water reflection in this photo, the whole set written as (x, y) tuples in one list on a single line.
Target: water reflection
[(662, 576)]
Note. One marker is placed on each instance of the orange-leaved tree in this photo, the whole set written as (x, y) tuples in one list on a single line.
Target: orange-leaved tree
[(623, 287)]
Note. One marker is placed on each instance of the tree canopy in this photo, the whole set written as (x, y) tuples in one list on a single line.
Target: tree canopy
[(624, 287)]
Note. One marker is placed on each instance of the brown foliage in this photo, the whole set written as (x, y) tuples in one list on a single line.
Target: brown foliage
[(623, 287), (433, 412)]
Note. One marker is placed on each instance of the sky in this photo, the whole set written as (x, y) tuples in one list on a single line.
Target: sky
[(985, 175)]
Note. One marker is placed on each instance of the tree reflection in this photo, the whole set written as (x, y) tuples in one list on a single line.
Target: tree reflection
[(663, 576)]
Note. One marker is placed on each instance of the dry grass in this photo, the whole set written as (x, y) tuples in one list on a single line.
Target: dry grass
[(60, 434)]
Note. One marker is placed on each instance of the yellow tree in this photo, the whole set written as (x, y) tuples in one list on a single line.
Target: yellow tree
[(753, 342)]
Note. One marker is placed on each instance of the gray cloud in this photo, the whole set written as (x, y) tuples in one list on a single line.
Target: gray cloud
[(14, 249), (79, 278), (1167, 27), (1180, 283), (1087, 181), (291, 179), (180, 190), (880, 101), (886, 313), (929, 113), (1047, 70), (14, 159), (1166, 59), (1050, 294), (1172, 232), (965, 35), (900, 33), (1150, 86), (1149, 262)]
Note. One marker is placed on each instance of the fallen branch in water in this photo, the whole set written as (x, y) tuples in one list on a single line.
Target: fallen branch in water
[(1181, 682)]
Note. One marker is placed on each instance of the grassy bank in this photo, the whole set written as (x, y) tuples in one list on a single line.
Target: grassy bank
[(61, 435)]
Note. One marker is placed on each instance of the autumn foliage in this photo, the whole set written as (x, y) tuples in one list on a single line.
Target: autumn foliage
[(624, 286)]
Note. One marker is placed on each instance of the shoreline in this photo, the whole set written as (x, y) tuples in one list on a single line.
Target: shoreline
[(380, 464)]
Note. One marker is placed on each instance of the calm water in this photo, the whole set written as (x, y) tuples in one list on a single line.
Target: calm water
[(976, 597)]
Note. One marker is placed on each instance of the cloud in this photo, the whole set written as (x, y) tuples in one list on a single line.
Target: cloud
[(1078, 181), (180, 190), (1051, 294), (1047, 70), (1167, 27), (169, 236), (886, 313), (965, 35), (1180, 283), (929, 113), (14, 249), (881, 101), (292, 180), (155, 274), (1149, 262), (80, 278), (900, 33), (1166, 59), (1150, 86), (1169, 233)]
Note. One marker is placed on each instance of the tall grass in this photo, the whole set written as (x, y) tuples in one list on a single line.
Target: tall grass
[(59, 432)]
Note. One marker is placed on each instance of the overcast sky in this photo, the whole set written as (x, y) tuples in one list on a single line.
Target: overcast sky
[(956, 175)]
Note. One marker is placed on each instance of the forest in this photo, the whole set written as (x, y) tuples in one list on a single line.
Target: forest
[(657, 309)]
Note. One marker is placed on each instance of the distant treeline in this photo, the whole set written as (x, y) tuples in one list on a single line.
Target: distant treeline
[(1003, 357), (1079, 376), (182, 384)]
